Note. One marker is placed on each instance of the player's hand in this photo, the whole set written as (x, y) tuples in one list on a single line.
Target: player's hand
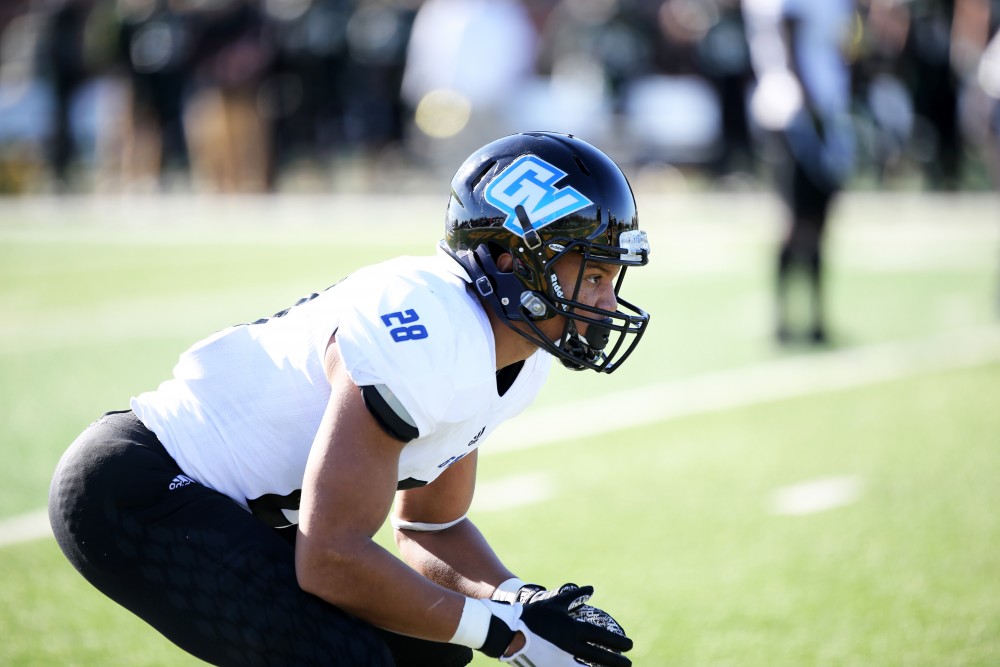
[(554, 637), (507, 630), (537, 652), (602, 619), (530, 593)]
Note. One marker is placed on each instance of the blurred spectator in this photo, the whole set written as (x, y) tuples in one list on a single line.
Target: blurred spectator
[(988, 103), (574, 68), (334, 84), (801, 102), (378, 35), (885, 104), (725, 58), (64, 59), (935, 87), (466, 68), (707, 39), (22, 100), (302, 95), (604, 42), (239, 92), (228, 138), (987, 76), (683, 100), (49, 52), (942, 47), (156, 48), (915, 68)]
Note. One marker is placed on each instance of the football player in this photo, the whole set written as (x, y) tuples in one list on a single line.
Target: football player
[(801, 101), (234, 507)]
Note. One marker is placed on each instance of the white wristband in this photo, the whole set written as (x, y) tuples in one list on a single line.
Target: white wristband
[(473, 626), (507, 591)]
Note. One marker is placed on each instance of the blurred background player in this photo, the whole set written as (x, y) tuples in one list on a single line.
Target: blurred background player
[(801, 102)]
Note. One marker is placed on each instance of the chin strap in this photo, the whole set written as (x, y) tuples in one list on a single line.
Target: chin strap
[(587, 349)]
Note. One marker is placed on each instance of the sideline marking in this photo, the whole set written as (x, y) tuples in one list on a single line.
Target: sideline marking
[(763, 383)]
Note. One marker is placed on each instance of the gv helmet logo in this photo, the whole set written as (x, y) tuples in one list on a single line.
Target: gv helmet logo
[(531, 182)]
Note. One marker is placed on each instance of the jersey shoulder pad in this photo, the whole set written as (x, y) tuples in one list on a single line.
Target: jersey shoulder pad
[(416, 332)]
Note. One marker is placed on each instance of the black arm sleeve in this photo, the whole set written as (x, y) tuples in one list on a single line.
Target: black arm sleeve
[(390, 421)]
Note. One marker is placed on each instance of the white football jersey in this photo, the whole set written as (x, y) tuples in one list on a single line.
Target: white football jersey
[(820, 44), (244, 405)]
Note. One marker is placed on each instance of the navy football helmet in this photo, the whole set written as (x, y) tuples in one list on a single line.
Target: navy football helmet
[(539, 196)]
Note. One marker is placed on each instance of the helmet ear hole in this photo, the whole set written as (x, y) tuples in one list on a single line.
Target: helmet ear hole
[(496, 251), (522, 270)]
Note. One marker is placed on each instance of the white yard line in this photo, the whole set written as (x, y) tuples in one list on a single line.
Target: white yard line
[(771, 381), (715, 392), (816, 495), (24, 528), (513, 491)]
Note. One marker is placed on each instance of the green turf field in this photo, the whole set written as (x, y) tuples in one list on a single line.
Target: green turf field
[(675, 512)]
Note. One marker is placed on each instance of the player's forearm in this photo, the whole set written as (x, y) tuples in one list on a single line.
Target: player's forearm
[(458, 558), (369, 582)]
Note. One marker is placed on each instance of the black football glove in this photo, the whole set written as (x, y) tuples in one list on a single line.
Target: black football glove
[(602, 619), (549, 616)]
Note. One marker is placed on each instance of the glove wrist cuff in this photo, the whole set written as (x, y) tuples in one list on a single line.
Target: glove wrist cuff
[(515, 590), (507, 591), (498, 638)]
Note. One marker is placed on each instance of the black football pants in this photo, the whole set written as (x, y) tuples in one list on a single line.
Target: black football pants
[(198, 567)]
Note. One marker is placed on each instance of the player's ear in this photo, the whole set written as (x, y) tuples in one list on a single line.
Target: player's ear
[(505, 262)]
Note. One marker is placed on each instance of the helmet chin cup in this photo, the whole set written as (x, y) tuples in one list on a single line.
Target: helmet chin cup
[(598, 335)]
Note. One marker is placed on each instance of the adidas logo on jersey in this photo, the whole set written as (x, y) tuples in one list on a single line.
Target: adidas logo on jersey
[(478, 436), (179, 481)]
